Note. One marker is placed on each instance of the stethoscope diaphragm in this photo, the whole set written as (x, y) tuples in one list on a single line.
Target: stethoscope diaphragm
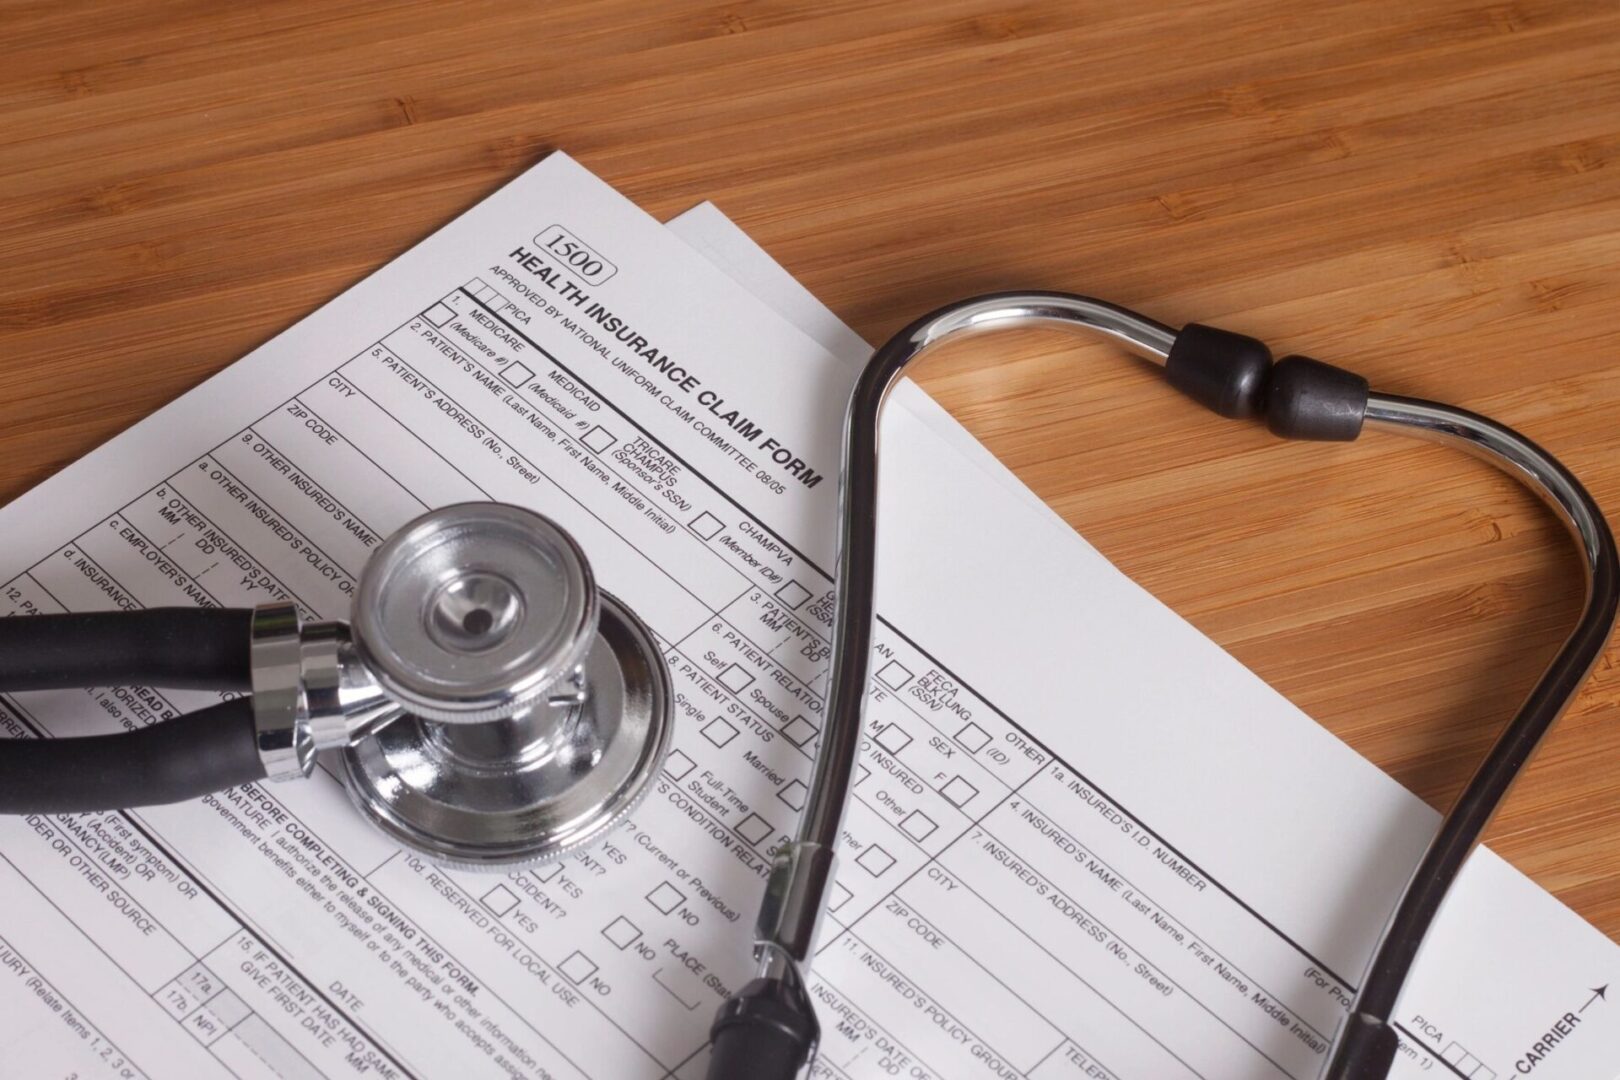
[(537, 708)]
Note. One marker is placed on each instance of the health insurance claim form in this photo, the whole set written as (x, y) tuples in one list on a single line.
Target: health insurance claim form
[(1089, 844)]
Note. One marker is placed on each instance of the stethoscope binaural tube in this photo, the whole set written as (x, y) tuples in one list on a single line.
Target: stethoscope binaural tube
[(768, 1029), (1368, 1045)]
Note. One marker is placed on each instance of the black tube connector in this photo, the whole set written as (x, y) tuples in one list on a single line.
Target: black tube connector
[(765, 1029), (1307, 399), (1223, 371), (1233, 375), (1365, 1050)]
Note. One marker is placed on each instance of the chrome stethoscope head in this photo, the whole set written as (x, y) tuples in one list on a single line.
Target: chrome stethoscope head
[(493, 707)]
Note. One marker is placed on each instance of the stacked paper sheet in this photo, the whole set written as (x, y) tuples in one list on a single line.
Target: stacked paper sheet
[(1084, 841)]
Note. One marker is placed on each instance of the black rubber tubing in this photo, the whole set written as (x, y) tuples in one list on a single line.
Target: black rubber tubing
[(176, 648), (174, 760)]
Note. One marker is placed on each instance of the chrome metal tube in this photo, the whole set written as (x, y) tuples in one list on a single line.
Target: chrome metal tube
[(796, 895), (1368, 1045), (858, 499)]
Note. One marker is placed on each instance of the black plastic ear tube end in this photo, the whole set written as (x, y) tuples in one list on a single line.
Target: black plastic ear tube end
[(1307, 399), (1223, 371), (174, 760), (1233, 375), (763, 1032)]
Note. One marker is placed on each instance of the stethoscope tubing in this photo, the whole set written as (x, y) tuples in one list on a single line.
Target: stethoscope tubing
[(1369, 1034), (1300, 398)]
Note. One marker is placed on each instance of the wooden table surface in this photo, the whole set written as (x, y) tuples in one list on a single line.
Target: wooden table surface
[(1426, 191)]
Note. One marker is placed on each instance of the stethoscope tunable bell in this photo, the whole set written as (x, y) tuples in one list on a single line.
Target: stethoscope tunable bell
[(537, 706), (491, 707)]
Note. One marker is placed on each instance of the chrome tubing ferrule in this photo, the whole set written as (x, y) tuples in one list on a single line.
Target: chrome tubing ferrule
[(279, 712), (311, 692)]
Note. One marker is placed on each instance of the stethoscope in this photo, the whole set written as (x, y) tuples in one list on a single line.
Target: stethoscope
[(492, 708)]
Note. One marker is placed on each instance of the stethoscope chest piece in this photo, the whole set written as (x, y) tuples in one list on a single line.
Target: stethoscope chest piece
[(537, 707)]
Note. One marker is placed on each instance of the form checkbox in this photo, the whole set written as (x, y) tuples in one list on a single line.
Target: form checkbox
[(735, 679), (800, 731), (840, 897), (228, 1009), (974, 737), (754, 828), (1465, 1063), (598, 440), (861, 773), (677, 765), (875, 861), (622, 932), (707, 525), (578, 967), (792, 793), (544, 874), (666, 898), (893, 738), (918, 825), (959, 791), (719, 731), (793, 594), (894, 675), (516, 373), (438, 314), (500, 900)]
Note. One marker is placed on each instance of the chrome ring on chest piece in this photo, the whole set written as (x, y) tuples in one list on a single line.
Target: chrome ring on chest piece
[(495, 709)]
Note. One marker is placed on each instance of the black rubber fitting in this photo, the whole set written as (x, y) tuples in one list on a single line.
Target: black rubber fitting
[(1307, 399), (208, 750), (1366, 1050), (765, 1029), (1223, 371), (179, 648)]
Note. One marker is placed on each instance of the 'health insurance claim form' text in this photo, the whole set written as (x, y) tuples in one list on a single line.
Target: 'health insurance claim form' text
[(1087, 844)]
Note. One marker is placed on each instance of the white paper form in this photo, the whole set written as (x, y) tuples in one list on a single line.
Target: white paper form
[(719, 239), (1086, 843)]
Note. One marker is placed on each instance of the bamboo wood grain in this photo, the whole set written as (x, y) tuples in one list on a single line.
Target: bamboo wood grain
[(1426, 191)]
